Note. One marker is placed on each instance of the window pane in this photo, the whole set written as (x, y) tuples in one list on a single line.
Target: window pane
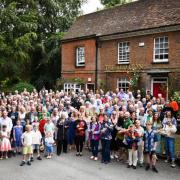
[(166, 56), (123, 52), (80, 56), (161, 48)]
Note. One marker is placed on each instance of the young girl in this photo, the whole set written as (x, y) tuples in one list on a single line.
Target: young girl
[(94, 136), (5, 143), (49, 141), (17, 133)]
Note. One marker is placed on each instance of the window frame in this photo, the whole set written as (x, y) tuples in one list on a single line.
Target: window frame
[(124, 54), (80, 62), (163, 48), (124, 80), (71, 86)]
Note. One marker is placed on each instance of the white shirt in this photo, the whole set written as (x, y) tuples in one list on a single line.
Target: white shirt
[(36, 139), (27, 138), (140, 131), (8, 122), (170, 130)]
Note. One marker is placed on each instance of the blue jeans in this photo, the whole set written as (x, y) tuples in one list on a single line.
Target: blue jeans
[(170, 151), (94, 147), (105, 150)]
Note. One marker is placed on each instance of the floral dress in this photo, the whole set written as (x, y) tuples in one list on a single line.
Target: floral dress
[(5, 143)]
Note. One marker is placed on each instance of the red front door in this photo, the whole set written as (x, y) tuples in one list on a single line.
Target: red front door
[(160, 88)]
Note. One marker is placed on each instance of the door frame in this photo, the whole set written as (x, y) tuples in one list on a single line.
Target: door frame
[(161, 80), (90, 84)]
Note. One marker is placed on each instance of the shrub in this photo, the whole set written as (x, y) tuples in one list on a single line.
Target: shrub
[(23, 85), (176, 96)]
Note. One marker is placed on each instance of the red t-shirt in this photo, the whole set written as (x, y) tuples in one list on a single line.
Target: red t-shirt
[(41, 125)]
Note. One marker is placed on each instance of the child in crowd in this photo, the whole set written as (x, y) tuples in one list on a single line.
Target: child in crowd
[(26, 140), (149, 144), (49, 142), (131, 138), (35, 122), (17, 133), (37, 140), (5, 145)]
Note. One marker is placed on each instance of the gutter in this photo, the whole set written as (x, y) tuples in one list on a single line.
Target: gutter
[(77, 38), (96, 63)]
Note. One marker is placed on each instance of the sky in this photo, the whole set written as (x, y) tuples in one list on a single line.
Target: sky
[(91, 6)]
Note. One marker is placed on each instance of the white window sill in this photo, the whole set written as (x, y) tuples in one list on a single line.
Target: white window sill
[(123, 62), (160, 61)]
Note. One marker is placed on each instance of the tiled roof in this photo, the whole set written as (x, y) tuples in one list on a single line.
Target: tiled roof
[(138, 15)]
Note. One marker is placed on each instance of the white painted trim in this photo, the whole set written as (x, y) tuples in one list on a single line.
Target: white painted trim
[(160, 60), (77, 57), (125, 62)]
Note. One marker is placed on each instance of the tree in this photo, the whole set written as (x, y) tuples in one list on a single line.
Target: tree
[(110, 3), (30, 34), (17, 36)]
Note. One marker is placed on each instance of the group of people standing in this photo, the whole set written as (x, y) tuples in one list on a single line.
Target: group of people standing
[(118, 125)]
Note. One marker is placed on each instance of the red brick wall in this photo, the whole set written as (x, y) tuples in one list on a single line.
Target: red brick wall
[(108, 55), (139, 55), (69, 69)]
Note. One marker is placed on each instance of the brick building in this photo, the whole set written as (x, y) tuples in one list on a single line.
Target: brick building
[(132, 45)]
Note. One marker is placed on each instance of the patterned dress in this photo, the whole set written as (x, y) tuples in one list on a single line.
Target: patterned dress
[(5, 143)]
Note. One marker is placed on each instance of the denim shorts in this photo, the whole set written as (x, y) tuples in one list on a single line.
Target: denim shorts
[(36, 146), (49, 149)]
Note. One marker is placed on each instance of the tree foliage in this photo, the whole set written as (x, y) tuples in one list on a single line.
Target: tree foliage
[(30, 34), (110, 3)]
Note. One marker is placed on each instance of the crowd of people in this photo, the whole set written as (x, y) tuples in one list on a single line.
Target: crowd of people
[(114, 125)]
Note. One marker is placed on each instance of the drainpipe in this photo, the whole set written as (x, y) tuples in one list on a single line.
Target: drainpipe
[(96, 63)]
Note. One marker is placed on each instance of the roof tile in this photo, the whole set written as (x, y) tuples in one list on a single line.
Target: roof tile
[(142, 14)]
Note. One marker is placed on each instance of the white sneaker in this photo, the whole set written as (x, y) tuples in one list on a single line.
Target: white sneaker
[(96, 158), (116, 156), (112, 157), (92, 157), (173, 165), (166, 161)]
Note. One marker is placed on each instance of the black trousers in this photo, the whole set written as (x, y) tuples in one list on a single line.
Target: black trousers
[(61, 144), (79, 140)]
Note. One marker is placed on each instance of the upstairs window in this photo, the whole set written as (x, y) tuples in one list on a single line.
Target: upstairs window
[(80, 56), (161, 48), (123, 53)]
